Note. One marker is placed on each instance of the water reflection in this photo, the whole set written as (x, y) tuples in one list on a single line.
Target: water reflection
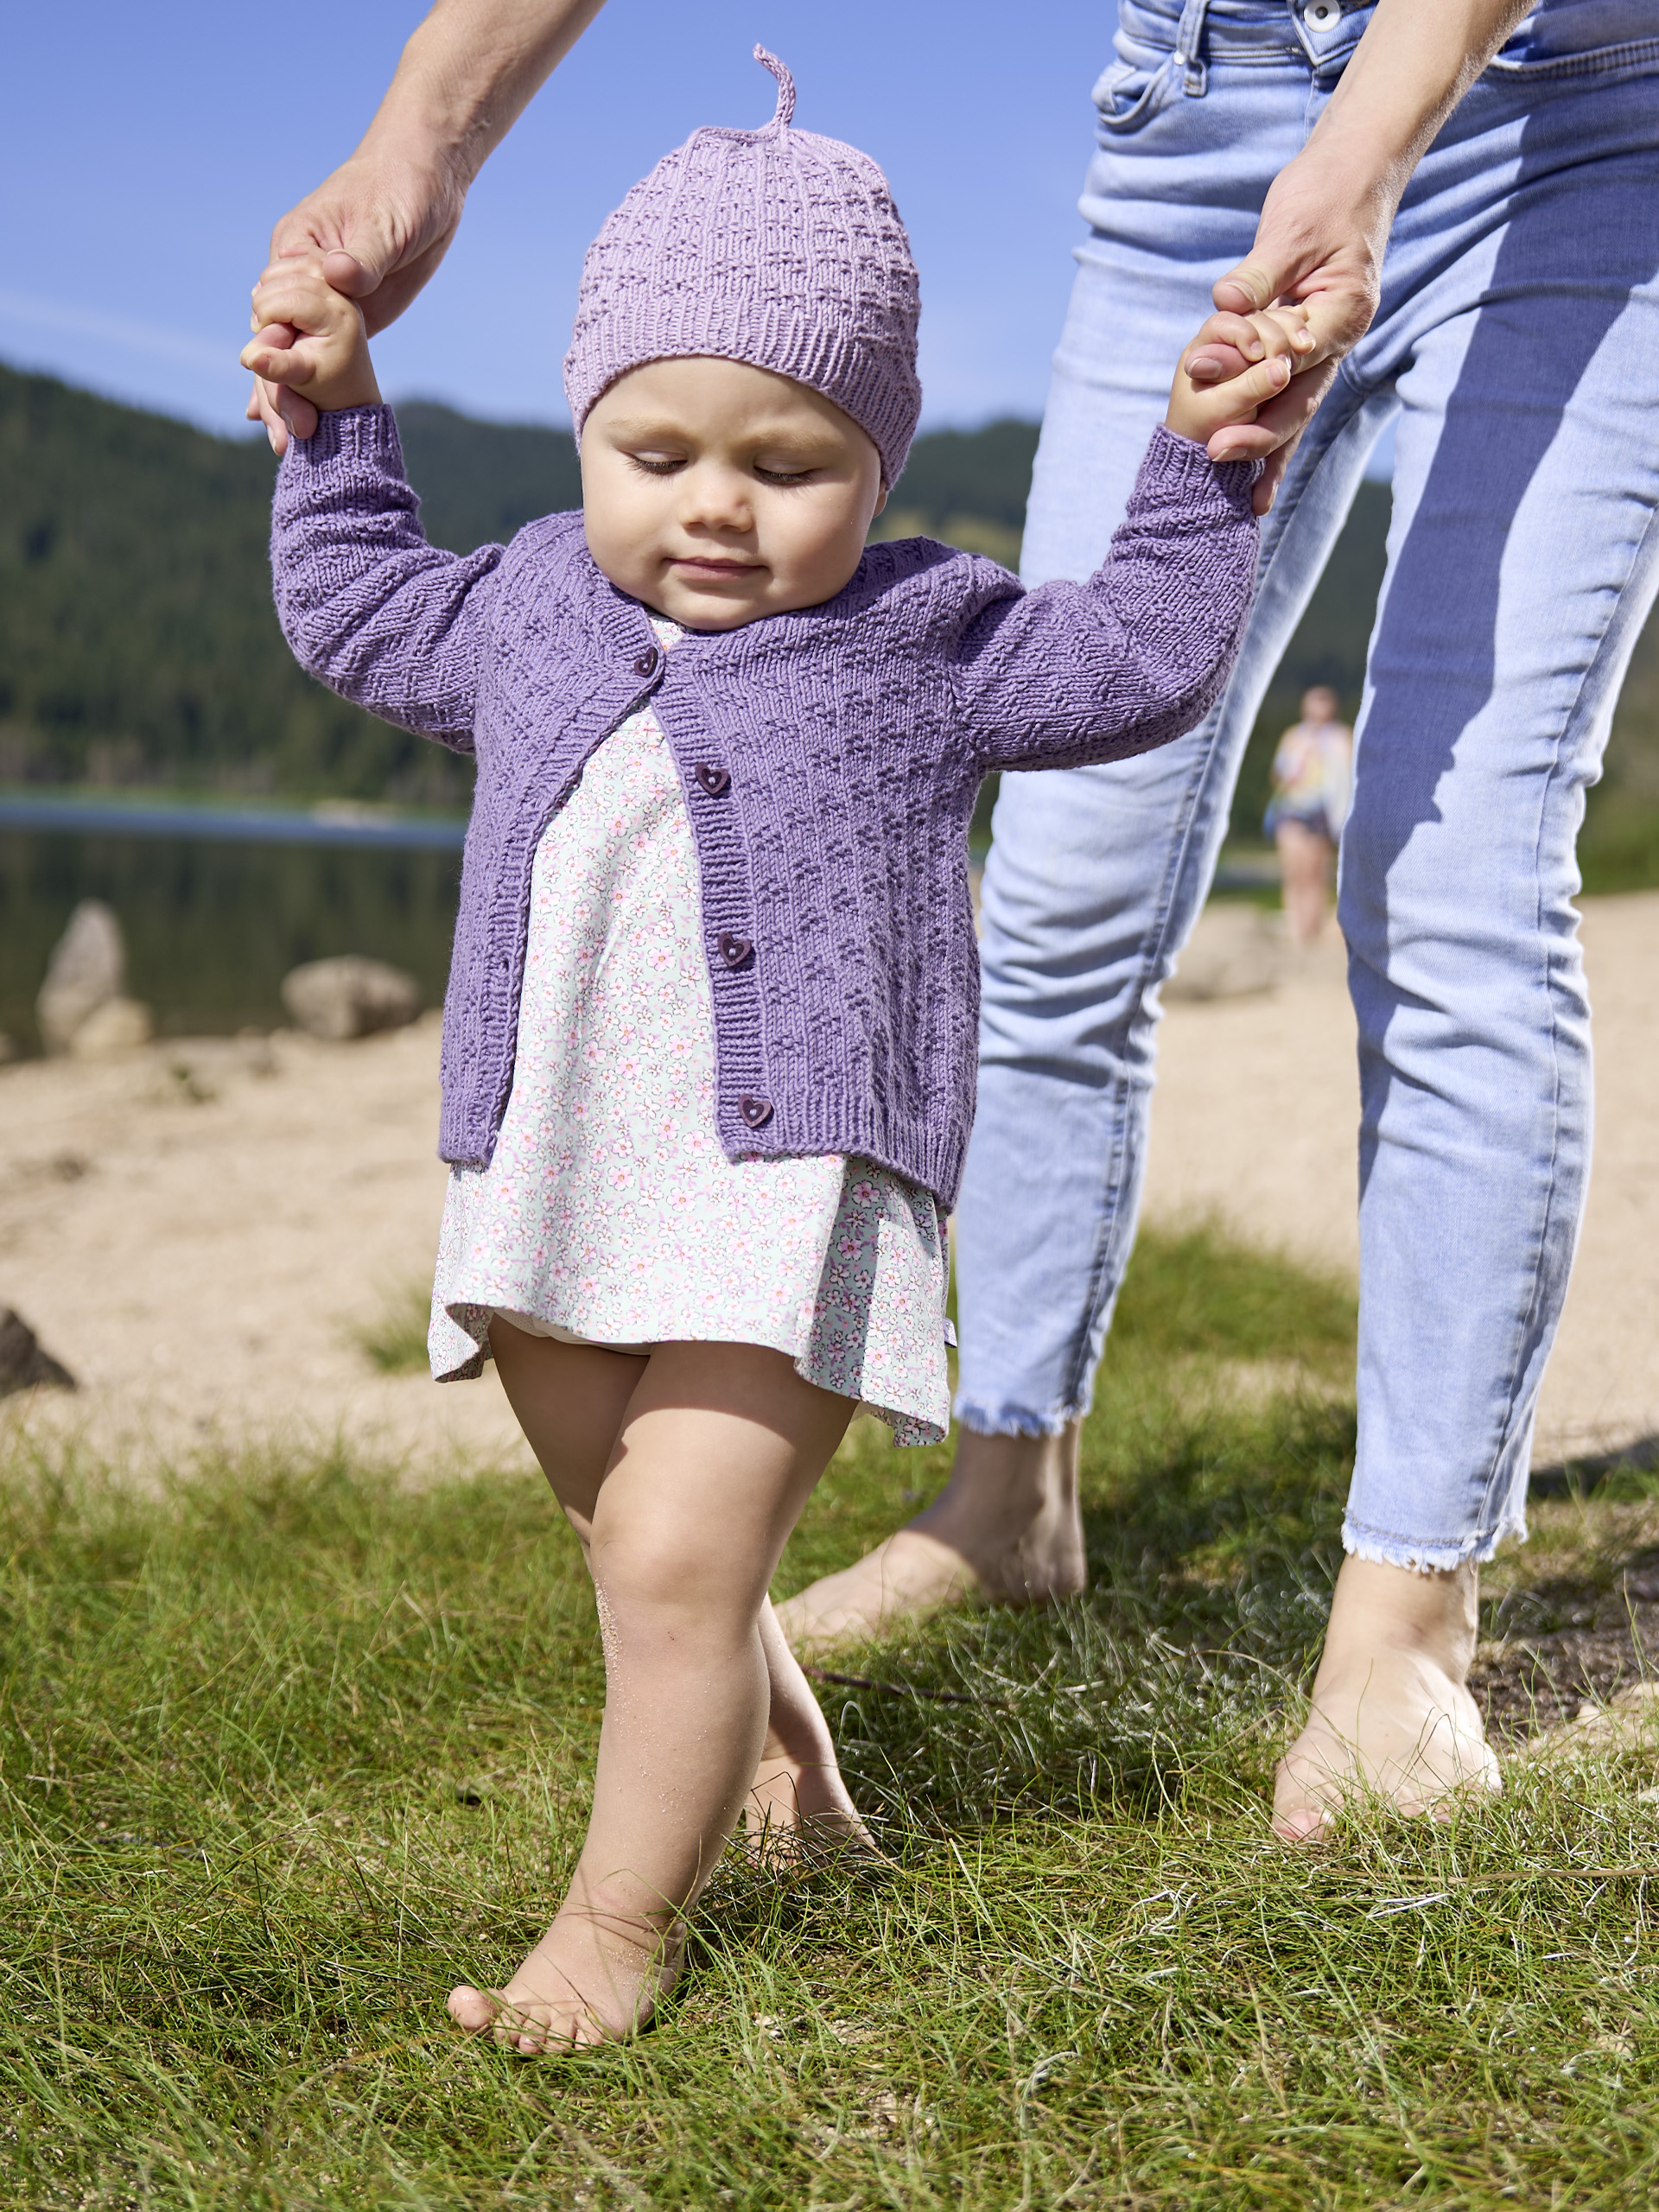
[(213, 928)]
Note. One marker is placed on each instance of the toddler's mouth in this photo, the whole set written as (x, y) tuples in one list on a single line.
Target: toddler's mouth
[(710, 565)]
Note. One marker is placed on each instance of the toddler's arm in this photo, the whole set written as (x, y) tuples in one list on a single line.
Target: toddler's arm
[(365, 603), (1071, 672)]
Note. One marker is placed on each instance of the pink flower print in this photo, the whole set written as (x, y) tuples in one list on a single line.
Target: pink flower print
[(864, 1194)]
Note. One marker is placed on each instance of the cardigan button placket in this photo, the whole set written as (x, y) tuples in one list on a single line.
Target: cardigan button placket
[(733, 950), (757, 1112), (715, 781)]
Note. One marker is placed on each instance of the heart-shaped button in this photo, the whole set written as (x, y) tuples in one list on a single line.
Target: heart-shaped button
[(757, 1112), (713, 780), (733, 950)]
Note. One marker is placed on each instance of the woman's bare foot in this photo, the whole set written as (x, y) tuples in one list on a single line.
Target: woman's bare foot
[(1390, 1715), (1006, 1527), (585, 1982)]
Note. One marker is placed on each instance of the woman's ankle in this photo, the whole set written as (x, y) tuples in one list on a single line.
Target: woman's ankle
[(1434, 1615)]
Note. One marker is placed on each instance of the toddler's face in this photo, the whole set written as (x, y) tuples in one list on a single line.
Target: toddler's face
[(717, 493)]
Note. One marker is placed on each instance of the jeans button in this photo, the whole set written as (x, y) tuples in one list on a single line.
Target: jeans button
[(1323, 14)]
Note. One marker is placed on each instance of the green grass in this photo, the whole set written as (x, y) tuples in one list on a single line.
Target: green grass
[(395, 1340), (289, 1749)]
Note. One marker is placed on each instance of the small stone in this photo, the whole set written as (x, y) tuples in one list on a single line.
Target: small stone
[(349, 997), (111, 1030), (88, 967), (24, 1363)]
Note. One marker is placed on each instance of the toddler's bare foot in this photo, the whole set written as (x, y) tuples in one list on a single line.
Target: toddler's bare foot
[(1005, 1528), (1390, 1715), (582, 1984), (795, 1804)]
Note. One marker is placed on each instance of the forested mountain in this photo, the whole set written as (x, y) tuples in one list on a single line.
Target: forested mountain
[(137, 643)]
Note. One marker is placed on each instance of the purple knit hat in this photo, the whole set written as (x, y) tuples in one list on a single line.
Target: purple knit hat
[(775, 247)]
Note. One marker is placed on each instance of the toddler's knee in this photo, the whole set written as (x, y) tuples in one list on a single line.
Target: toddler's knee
[(651, 1581)]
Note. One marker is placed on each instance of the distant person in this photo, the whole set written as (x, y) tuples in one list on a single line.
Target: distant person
[(709, 1034), (1466, 205), (1313, 780)]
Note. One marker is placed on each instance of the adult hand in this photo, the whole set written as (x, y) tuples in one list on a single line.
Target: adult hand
[(382, 224), (384, 220), (1321, 247), (1326, 221)]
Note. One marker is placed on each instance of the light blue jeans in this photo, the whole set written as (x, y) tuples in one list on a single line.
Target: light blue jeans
[(1517, 349)]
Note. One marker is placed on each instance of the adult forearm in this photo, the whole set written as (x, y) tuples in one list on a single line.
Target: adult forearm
[(469, 70), (1414, 63), (1326, 221)]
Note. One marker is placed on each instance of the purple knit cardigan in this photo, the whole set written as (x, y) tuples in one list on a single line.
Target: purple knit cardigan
[(829, 759)]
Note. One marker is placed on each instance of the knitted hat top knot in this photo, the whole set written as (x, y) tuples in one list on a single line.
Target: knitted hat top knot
[(774, 246)]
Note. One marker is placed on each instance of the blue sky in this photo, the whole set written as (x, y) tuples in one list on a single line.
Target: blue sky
[(144, 153)]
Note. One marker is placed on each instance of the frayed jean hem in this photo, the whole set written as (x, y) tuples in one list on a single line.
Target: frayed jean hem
[(1012, 1421), (1383, 1547)]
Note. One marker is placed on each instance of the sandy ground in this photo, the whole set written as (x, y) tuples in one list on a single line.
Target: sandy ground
[(195, 1231)]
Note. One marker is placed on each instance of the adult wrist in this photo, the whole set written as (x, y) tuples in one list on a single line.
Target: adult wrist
[(1356, 171)]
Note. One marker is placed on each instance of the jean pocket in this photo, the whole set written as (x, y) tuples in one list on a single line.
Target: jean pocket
[(1129, 93), (1636, 54)]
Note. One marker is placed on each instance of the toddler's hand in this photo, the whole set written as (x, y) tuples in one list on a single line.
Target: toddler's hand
[(1232, 368), (310, 337)]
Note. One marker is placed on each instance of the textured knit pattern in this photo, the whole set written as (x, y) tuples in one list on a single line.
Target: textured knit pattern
[(777, 247), (829, 760), (609, 1211)]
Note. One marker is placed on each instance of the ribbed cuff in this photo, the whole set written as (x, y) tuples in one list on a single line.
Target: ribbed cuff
[(352, 434), (1179, 470)]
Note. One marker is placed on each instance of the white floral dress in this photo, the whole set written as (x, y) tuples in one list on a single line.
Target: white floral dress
[(610, 1214)]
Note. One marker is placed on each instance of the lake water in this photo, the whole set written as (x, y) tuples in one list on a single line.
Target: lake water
[(213, 923)]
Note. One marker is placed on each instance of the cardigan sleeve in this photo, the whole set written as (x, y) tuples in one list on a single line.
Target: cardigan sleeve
[(1070, 672), (367, 605)]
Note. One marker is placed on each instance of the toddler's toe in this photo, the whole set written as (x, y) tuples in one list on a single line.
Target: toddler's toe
[(473, 2009)]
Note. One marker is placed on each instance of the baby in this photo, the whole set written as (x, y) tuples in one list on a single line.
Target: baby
[(710, 1036)]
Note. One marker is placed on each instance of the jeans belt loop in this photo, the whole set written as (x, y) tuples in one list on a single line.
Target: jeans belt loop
[(1189, 36)]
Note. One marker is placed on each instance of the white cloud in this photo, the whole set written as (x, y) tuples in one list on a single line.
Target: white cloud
[(115, 330)]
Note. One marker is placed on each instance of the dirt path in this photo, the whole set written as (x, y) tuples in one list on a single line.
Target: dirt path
[(195, 1232)]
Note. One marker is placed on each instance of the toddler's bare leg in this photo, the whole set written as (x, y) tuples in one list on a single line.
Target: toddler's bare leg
[(570, 1401), (797, 1784), (720, 1446)]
